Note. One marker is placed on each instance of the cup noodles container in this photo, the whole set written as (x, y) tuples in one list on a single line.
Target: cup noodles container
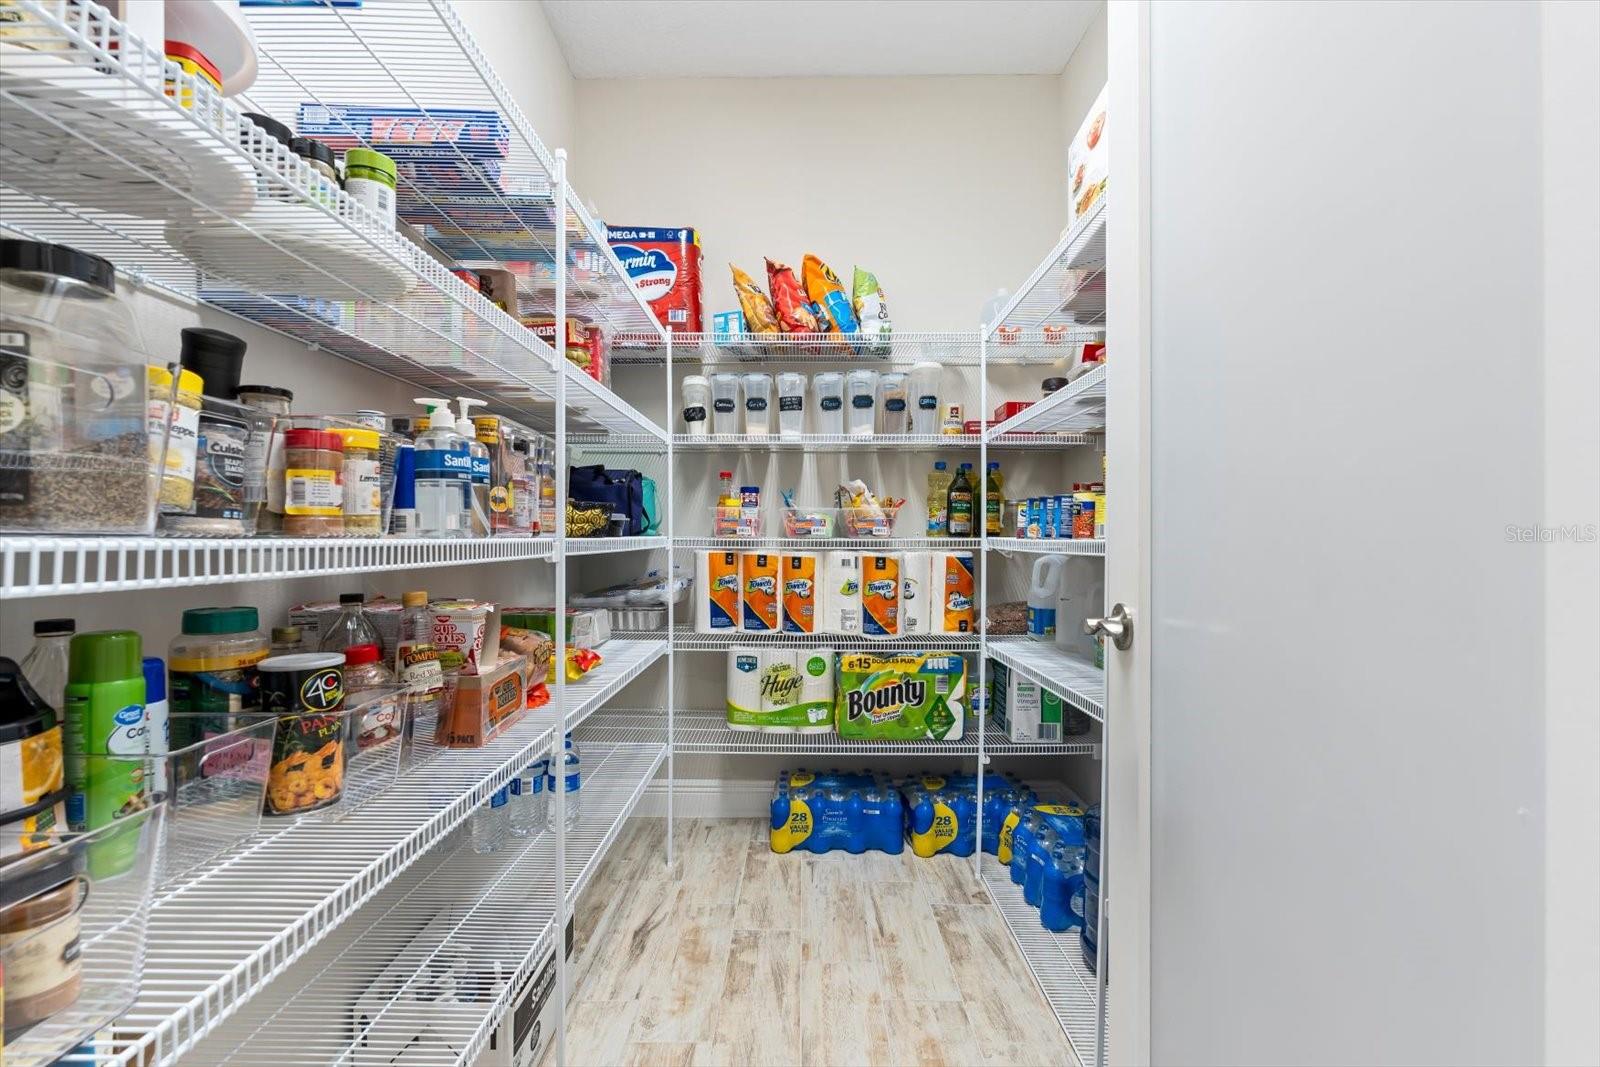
[(466, 633), (663, 263), (1087, 162)]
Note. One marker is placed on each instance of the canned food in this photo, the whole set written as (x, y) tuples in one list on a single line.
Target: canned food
[(306, 692)]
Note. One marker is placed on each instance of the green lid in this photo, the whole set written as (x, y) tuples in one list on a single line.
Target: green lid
[(368, 160), (105, 656), (239, 620)]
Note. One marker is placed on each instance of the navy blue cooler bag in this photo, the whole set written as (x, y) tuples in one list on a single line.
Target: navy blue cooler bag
[(624, 491)]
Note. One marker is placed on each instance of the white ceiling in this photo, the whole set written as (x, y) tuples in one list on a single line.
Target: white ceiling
[(816, 38)]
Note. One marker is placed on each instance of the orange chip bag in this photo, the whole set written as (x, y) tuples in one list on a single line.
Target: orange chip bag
[(794, 310), (828, 296), (758, 314)]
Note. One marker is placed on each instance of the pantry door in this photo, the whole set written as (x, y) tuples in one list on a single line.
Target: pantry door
[(1327, 798)]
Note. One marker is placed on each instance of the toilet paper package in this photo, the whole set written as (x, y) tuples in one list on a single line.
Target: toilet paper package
[(816, 691), (744, 688)]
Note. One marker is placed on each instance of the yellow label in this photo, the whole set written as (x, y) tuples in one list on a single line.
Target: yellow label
[(1003, 851), (939, 834), (1058, 809), (800, 778), (312, 491), (932, 781), (796, 829)]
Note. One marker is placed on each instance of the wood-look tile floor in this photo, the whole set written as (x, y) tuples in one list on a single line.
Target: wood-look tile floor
[(741, 957)]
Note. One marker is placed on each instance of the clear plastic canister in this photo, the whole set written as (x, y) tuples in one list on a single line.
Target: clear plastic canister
[(827, 392), (696, 404), (892, 415), (860, 390), (724, 403), (791, 404), (922, 394), (757, 404)]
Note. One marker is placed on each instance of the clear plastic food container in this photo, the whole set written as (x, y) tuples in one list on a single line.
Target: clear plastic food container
[(76, 454), (791, 404), (757, 404), (860, 389), (892, 413), (827, 389)]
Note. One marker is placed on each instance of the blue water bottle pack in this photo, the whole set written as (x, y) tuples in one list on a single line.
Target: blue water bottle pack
[(941, 813), (823, 812)]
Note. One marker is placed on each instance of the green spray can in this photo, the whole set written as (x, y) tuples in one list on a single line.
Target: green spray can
[(105, 718)]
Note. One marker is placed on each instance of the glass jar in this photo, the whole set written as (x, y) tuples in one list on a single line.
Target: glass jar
[(363, 483), (313, 483), (267, 454), (286, 640), (74, 407), (174, 430), (319, 157)]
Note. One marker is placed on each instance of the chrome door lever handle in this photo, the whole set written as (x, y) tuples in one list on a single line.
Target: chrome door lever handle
[(1118, 626)]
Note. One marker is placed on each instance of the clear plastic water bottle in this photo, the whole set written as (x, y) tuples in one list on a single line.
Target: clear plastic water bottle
[(538, 798), (520, 821), (489, 822), (571, 780)]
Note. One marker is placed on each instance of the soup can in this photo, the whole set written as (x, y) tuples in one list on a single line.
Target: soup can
[(306, 692)]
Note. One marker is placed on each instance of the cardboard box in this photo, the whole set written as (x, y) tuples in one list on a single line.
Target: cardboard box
[(1023, 710), (484, 705), (1087, 162), (586, 627), (663, 263)]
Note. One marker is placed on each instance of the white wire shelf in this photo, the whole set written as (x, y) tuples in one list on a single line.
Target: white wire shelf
[(1066, 289), (95, 155), (687, 640), (1056, 960), (1074, 679), (597, 546), (57, 566), (335, 868), (820, 544), (960, 348), (1063, 546), (447, 952), (826, 442), (477, 204), (706, 732), (1079, 407)]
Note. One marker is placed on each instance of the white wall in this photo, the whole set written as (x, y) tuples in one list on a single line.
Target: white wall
[(1083, 78), (1348, 751), (945, 188), (515, 37)]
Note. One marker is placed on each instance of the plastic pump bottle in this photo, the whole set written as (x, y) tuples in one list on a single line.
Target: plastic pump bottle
[(477, 499), (443, 473)]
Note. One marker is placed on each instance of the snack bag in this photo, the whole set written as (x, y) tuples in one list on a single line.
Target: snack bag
[(872, 311), (827, 293), (794, 311), (758, 314)]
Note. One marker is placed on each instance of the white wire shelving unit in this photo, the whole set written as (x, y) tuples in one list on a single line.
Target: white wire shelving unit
[(860, 544), (110, 148), (57, 566), (1065, 294), (685, 639), (703, 732), (1041, 346), (455, 942), (821, 442)]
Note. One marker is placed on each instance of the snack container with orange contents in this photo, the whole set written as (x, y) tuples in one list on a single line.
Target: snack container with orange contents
[(306, 693)]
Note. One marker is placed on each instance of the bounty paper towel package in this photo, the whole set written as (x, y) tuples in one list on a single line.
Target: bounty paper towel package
[(909, 696)]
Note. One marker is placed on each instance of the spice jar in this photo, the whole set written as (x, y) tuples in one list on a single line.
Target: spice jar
[(266, 450), (223, 440), (39, 928), (319, 157), (363, 484), (313, 483), (174, 429), (372, 687), (369, 178)]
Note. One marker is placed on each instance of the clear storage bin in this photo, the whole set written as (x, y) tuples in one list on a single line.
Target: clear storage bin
[(802, 521), (230, 473), (73, 921), (325, 767), (76, 455), (737, 522)]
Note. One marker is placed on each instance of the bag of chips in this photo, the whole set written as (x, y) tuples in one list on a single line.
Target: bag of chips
[(758, 314), (872, 311), (827, 294), (794, 310)]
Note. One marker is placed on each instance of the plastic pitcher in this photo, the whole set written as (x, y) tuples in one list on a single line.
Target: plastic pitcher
[(1044, 592)]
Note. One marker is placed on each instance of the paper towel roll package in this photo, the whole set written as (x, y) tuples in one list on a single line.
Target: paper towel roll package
[(880, 595), (956, 593), (797, 574), (716, 592), (916, 593), (758, 580), (744, 688), (841, 585)]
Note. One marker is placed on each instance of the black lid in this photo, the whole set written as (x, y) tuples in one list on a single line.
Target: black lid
[(271, 126), (57, 867), (1052, 384), (311, 148), (58, 259), (520, 445), (266, 390), (352, 598), (216, 356), (54, 626), (23, 712)]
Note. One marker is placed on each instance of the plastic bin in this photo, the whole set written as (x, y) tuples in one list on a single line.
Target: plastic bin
[(801, 521), (213, 778)]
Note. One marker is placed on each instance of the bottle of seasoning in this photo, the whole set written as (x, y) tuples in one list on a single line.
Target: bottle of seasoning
[(33, 794), (958, 508), (174, 427), (105, 717), (313, 480), (213, 670), (369, 178), (363, 486), (286, 640), (364, 672), (266, 450), (223, 438)]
